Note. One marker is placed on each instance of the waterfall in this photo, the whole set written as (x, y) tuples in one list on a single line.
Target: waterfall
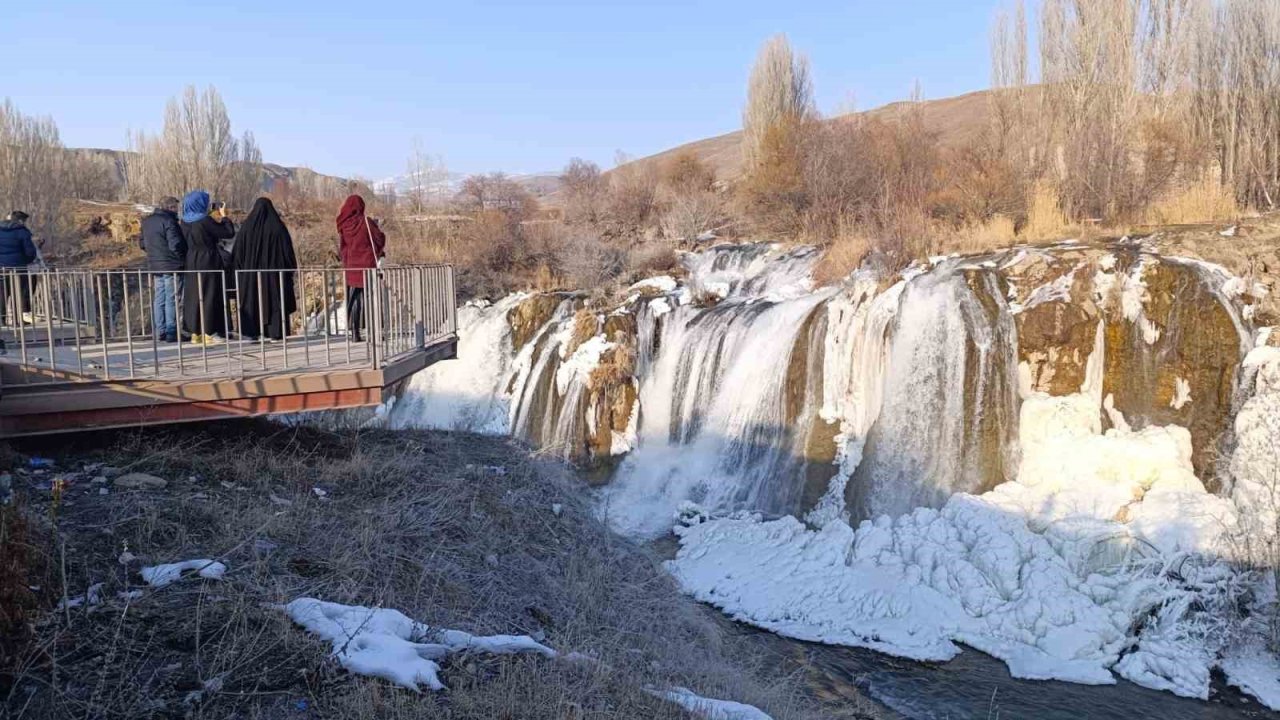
[(741, 387), (947, 418), (714, 405)]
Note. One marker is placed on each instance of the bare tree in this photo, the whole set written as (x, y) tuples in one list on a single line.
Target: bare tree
[(779, 93), (196, 149), (34, 173), (427, 178)]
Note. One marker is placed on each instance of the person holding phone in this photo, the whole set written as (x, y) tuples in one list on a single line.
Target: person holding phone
[(362, 245), (204, 295)]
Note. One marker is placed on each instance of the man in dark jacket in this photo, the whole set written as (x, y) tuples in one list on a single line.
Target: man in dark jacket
[(167, 257), (17, 251)]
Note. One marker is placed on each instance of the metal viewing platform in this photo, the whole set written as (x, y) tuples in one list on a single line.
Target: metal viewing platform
[(82, 350)]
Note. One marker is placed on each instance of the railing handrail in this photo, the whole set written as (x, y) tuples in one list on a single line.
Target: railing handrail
[(308, 268), (85, 324)]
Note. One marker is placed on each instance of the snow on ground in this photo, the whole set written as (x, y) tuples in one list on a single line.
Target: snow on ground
[(162, 575), (662, 284), (1049, 573), (710, 708), (388, 644)]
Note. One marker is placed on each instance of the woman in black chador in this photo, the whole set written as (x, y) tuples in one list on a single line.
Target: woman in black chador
[(265, 298), (204, 301)]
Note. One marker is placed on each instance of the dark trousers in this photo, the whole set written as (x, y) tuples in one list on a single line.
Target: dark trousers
[(355, 312), (15, 295)]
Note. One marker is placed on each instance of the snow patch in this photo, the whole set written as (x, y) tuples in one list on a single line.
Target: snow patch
[(1181, 394), (162, 575), (709, 708), (387, 644)]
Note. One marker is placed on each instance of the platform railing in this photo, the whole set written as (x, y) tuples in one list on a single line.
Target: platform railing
[(63, 325)]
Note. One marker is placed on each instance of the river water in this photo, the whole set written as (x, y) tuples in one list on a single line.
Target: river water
[(978, 687)]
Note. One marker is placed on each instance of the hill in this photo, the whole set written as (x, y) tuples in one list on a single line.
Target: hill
[(104, 173), (956, 120)]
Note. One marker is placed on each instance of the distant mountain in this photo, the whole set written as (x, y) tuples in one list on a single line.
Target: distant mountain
[(443, 186), (111, 164)]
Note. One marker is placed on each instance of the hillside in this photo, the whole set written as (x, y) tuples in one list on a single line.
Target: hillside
[(454, 530), (112, 163), (956, 120)]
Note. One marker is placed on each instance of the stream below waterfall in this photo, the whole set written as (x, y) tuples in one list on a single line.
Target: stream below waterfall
[(977, 686)]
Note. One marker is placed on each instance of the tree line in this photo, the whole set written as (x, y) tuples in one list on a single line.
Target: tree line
[(1134, 111)]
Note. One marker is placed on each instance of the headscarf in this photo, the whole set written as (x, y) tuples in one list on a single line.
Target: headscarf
[(263, 242), (351, 216), (195, 205)]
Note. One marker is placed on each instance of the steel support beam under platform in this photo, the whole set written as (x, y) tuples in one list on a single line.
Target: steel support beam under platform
[(98, 405)]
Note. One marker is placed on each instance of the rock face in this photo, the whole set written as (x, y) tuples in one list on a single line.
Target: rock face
[(530, 315), (1176, 363), (1171, 340)]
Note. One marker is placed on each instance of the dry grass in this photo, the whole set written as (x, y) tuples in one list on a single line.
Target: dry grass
[(585, 327), (1045, 217), (842, 256), (1202, 201), (617, 365), (421, 522), (994, 234)]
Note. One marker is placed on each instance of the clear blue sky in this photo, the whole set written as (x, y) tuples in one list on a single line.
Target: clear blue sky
[(514, 86)]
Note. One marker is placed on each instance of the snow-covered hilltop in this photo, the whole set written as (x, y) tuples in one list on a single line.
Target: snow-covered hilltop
[(1064, 457)]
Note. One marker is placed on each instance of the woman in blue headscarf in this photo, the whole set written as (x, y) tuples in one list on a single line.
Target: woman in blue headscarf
[(204, 298)]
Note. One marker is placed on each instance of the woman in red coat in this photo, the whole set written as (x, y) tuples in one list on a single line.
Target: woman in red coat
[(361, 248)]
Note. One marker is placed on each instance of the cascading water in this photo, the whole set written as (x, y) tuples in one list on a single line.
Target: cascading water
[(1017, 433), (947, 417), (714, 424)]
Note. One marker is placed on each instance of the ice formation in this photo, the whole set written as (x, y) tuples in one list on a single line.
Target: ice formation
[(387, 644), (1043, 572), (966, 506)]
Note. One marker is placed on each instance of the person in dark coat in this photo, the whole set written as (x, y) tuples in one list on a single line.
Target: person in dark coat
[(266, 299), (17, 251), (167, 257), (362, 247), (204, 298)]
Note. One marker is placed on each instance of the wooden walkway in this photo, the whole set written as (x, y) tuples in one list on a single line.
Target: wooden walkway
[(196, 383)]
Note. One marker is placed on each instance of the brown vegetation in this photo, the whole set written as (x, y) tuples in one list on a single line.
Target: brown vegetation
[(457, 531)]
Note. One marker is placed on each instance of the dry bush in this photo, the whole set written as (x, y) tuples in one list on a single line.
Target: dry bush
[(691, 204), (687, 216), (1199, 201), (686, 173), (585, 190), (841, 257), (653, 257), (632, 199), (420, 522), (588, 261)]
